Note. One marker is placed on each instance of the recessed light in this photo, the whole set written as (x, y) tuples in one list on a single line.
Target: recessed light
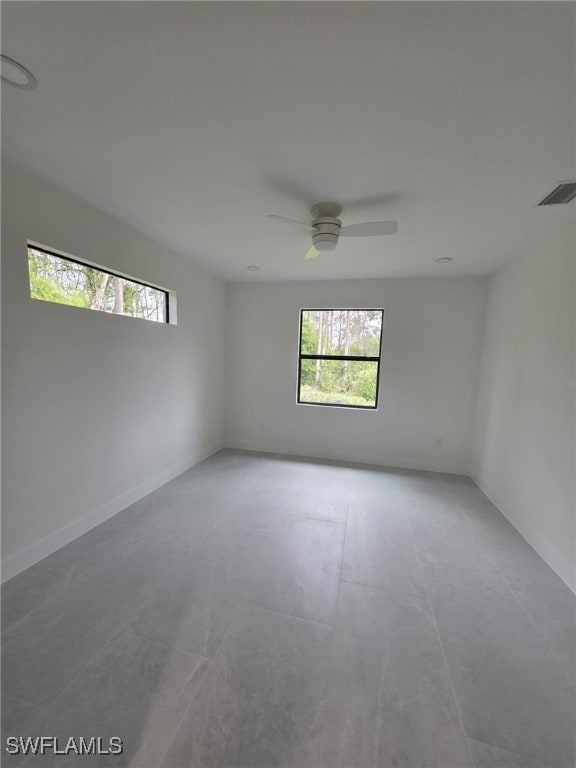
[(13, 73), (253, 268), (443, 260)]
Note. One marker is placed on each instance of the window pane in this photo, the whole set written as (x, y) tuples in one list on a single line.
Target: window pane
[(54, 278), (341, 332), (338, 382)]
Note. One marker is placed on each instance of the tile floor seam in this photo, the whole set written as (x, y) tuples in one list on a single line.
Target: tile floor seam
[(96, 653), (129, 631), (502, 575), (386, 664), (319, 519), (295, 516), (6, 633), (381, 588), (94, 579), (81, 670), (254, 606), (469, 738), (340, 579), (174, 730), (449, 673), (460, 717), (19, 700), (539, 632), (497, 746), (212, 662), (487, 550)]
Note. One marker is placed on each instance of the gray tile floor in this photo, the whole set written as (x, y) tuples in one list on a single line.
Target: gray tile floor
[(266, 611)]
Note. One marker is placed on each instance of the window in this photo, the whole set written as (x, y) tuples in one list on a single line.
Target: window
[(339, 362), (63, 280)]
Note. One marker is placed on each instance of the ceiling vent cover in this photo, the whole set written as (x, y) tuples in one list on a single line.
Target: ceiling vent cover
[(564, 193)]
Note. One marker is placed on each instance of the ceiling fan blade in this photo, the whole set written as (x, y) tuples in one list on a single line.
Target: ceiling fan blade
[(284, 220), (311, 253), (370, 229)]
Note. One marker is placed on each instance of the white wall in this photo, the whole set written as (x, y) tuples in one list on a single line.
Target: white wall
[(524, 446), (431, 352), (98, 409)]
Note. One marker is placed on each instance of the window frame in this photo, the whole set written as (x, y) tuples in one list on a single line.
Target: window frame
[(352, 358), (168, 295)]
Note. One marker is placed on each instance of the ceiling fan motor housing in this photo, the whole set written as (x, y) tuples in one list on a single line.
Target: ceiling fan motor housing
[(326, 225)]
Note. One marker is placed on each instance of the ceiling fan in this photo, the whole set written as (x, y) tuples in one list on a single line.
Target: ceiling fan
[(326, 228)]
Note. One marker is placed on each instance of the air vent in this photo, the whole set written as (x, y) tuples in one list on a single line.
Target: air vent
[(564, 193)]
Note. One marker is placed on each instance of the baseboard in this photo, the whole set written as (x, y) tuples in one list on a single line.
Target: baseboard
[(24, 558), (383, 460), (547, 551)]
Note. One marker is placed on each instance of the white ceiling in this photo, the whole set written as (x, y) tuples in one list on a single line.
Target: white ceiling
[(193, 121)]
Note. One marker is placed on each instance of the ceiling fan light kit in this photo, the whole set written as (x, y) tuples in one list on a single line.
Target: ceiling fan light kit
[(326, 228), (326, 225)]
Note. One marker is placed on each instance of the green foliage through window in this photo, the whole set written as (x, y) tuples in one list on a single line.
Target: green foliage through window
[(343, 349), (64, 281)]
